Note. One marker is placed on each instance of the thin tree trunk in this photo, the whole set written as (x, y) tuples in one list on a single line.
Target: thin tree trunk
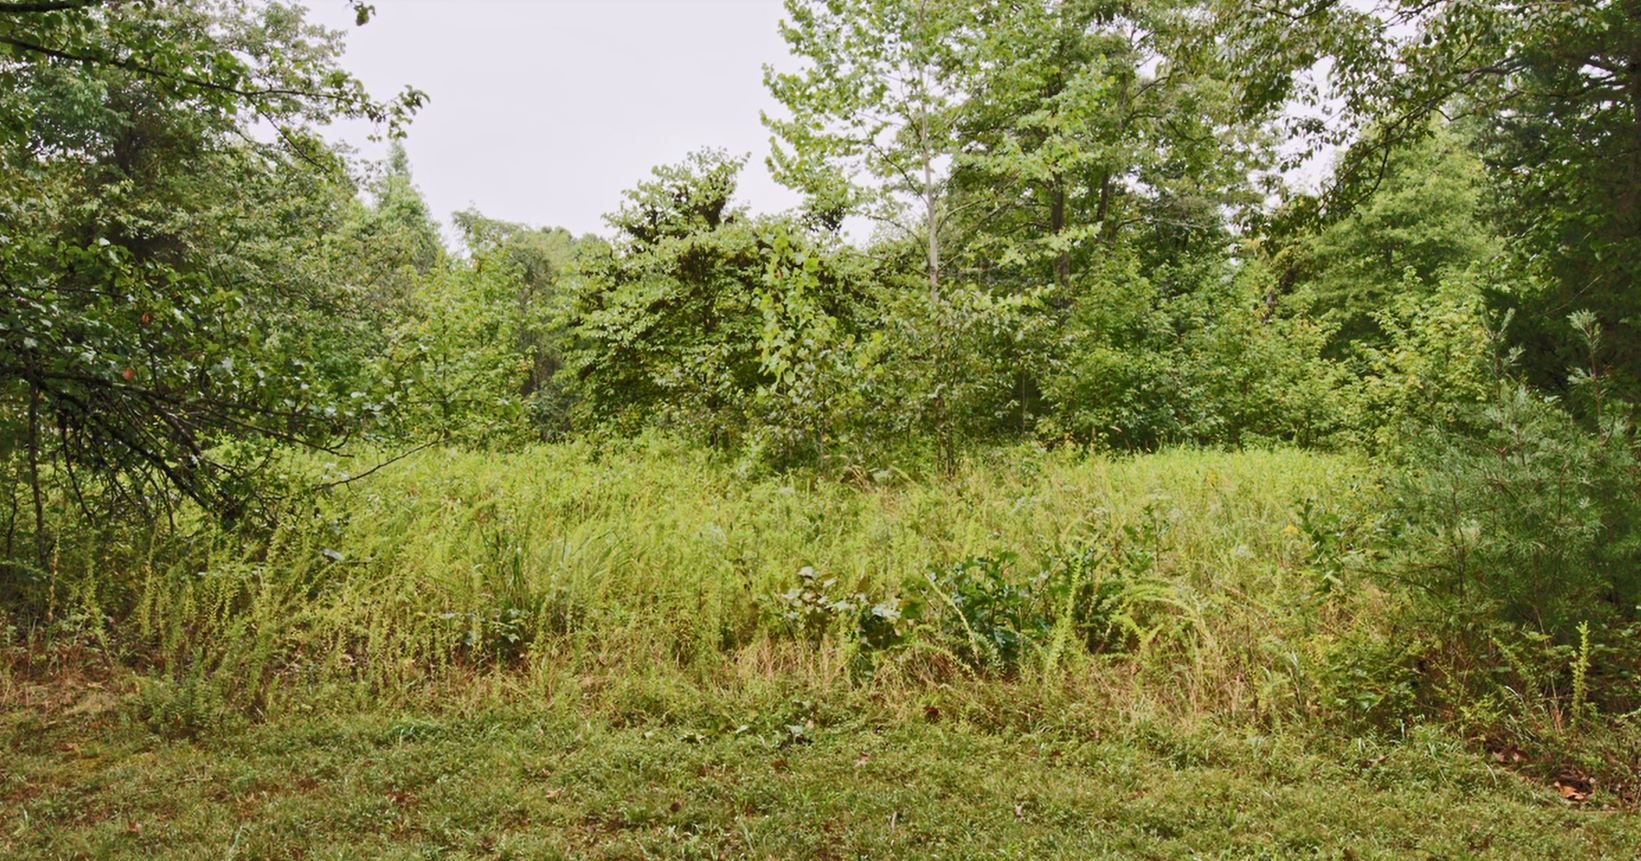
[(934, 229), (1057, 224), (1631, 195), (40, 546), (929, 202), (11, 497), (1103, 210), (1108, 231)]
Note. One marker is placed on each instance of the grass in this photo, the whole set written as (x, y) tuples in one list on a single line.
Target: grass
[(567, 563), (552, 782), (574, 652)]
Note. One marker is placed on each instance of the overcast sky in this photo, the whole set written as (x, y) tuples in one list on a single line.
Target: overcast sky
[(543, 111)]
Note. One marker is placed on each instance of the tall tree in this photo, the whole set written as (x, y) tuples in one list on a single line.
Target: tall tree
[(703, 318), (870, 114), (540, 264), (1553, 92), (1426, 222), (161, 318), (1089, 122)]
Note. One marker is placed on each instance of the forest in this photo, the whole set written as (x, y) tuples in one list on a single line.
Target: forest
[(1065, 476)]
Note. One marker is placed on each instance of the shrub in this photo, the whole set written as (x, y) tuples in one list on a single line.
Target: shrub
[(1513, 535), (818, 605), (1105, 598), (987, 617), (1189, 353), (1531, 522), (1435, 366)]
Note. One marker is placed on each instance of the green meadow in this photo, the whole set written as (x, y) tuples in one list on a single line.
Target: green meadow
[(571, 652)]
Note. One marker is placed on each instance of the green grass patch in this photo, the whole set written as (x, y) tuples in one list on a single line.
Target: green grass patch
[(552, 782), (566, 562)]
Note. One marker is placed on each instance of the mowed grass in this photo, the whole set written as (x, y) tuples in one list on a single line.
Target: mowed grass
[(571, 652), (523, 782)]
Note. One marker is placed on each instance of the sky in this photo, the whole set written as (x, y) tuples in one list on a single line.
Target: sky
[(544, 111)]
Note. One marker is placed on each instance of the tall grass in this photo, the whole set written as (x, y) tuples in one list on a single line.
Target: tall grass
[(568, 569)]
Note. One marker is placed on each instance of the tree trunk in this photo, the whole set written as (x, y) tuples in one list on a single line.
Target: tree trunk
[(1057, 225), (1108, 231), (930, 212), (933, 225), (40, 545), (1631, 195)]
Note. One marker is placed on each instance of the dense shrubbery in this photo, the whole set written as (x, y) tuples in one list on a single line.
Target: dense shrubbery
[(1517, 540)]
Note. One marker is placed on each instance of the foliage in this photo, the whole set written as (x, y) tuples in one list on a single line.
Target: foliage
[(703, 318), (817, 607), (1529, 521), (1516, 536), (450, 561), (1189, 354), (540, 263), (1547, 92), (1089, 129), (154, 337), (1054, 151), (1422, 227), (947, 373), (454, 360), (1439, 363), (875, 98), (263, 435)]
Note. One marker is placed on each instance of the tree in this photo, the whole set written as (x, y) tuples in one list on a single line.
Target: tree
[(1085, 124), (539, 263), (664, 328), (875, 99), (1427, 222), (391, 241), (1552, 92), (705, 319), (162, 323)]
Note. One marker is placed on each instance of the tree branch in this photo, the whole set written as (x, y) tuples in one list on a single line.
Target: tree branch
[(48, 6)]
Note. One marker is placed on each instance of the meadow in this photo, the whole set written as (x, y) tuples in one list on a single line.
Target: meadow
[(648, 651)]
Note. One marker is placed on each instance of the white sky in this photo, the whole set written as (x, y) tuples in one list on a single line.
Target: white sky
[(544, 111)]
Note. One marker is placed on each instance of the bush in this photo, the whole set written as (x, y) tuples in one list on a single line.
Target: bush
[(1106, 599), (1513, 536), (987, 617), (1190, 353), (1436, 365), (817, 606), (1530, 522)]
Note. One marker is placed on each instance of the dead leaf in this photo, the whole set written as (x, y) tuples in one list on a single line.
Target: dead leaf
[(1510, 755), (1574, 788), (861, 760), (554, 793)]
